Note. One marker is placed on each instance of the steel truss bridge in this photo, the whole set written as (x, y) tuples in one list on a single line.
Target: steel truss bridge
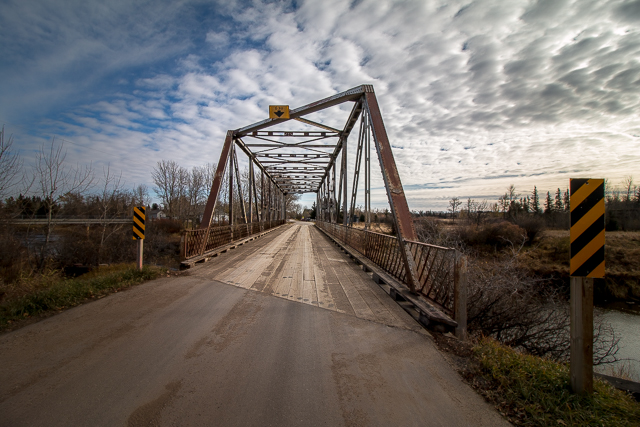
[(314, 160)]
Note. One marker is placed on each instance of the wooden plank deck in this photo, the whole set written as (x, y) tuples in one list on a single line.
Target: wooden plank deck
[(299, 263)]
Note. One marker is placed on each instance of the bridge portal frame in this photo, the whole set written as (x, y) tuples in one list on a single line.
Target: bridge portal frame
[(310, 169)]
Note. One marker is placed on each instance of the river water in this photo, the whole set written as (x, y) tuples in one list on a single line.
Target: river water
[(627, 328)]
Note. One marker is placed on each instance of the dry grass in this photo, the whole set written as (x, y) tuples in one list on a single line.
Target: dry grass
[(377, 227), (532, 391), (38, 295)]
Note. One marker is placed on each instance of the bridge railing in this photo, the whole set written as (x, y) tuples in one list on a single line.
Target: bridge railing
[(194, 244), (439, 269)]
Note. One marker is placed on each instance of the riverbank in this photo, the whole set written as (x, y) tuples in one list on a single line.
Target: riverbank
[(533, 391), (617, 297)]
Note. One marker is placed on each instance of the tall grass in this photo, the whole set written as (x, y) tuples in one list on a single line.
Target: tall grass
[(37, 295), (533, 391)]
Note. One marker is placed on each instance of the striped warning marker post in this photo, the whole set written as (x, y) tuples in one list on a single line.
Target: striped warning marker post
[(138, 231), (587, 228), (587, 262), (138, 222)]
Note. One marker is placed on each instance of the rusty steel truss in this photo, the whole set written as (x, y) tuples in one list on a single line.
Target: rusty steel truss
[(314, 161)]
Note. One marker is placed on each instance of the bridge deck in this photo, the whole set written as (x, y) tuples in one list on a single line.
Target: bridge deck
[(195, 351), (299, 263)]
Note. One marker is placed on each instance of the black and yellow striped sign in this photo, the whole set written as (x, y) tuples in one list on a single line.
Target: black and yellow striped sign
[(138, 222), (587, 228)]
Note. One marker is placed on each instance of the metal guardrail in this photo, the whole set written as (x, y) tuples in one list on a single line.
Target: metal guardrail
[(70, 221), (438, 268), (194, 240)]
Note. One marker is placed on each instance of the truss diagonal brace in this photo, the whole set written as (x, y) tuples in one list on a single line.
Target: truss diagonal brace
[(395, 192), (217, 183)]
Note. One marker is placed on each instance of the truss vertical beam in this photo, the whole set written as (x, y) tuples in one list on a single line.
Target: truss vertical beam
[(334, 216), (243, 211), (251, 188), (367, 179), (339, 201), (269, 200), (262, 194), (356, 170), (231, 216), (255, 195), (343, 172)]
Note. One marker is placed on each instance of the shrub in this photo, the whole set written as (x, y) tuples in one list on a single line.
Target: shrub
[(532, 225), (523, 312), (168, 226), (498, 235), (13, 257)]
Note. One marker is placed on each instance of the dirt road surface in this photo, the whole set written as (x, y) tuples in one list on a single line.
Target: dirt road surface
[(194, 351)]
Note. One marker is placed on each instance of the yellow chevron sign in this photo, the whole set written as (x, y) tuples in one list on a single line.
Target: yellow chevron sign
[(587, 228), (278, 111), (138, 222)]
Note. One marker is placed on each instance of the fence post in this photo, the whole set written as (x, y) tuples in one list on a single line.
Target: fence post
[(366, 244), (460, 295), (183, 245)]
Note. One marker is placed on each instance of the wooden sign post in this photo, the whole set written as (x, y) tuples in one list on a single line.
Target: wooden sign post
[(138, 231), (587, 263)]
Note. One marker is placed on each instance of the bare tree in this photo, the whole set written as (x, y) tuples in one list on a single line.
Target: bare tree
[(141, 195), (291, 202), (628, 188), (166, 177), (479, 211), (470, 204), (110, 206), (520, 311), (454, 204), (196, 191), (10, 165), (54, 179), (509, 200)]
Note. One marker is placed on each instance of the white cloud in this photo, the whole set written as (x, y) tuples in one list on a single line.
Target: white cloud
[(475, 95)]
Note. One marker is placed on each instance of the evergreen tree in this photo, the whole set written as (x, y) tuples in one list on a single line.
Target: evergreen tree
[(559, 205), (312, 214), (548, 204), (567, 205), (535, 201)]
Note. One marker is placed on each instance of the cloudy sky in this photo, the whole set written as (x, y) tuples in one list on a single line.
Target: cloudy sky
[(476, 95)]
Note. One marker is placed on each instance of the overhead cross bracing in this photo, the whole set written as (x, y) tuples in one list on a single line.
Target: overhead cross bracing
[(296, 161)]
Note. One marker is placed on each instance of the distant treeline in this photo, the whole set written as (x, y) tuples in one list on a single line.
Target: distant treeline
[(622, 207)]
